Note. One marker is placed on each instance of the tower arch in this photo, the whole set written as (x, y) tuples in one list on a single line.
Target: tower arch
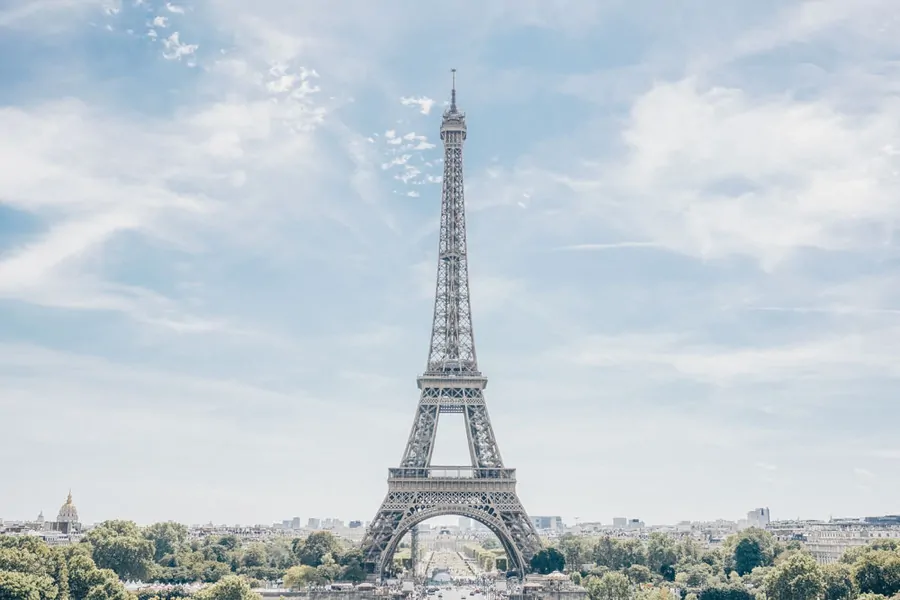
[(492, 522)]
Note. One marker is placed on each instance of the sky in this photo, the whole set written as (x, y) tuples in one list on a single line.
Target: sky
[(218, 236)]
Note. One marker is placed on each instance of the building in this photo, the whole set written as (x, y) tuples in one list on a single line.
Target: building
[(66, 520), (758, 517), (620, 522), (548, 523), (313, 524)]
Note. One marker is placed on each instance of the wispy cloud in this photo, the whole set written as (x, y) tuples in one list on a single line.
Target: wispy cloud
[(608, 246), (683, 247), (424, 103)]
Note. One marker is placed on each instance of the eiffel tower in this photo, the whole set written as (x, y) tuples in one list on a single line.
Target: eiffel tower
[(484, 490)]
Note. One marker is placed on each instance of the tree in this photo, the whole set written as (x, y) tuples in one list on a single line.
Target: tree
[(105, 585), (313, 549), (228, 588), (119, 545), (211, 571), (16, 585), (751, 548), (352, 563), (329, 570), (878, 572), (548, 560), (655, 594), (606, 553), (612, 586), (661, 552), (694, 576), (255, 555), (729, 592), (798, 577), (689, 551), (639, 574), (166, 538), (490, 543), (574, 549), (839, 583), (632, 552), (299, 576)]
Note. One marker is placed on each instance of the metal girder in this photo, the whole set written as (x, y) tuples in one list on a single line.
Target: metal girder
[(484, 491)]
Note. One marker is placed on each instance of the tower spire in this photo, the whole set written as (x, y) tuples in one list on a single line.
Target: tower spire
[(452, 342), (453, 92)]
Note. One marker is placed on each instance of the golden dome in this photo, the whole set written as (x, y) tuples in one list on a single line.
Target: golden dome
[(67, 512)]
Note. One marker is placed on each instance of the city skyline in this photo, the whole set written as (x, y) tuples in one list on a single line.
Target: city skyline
[(218, 225)]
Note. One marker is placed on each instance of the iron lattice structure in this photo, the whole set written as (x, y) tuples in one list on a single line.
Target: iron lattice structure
[(484, 490)]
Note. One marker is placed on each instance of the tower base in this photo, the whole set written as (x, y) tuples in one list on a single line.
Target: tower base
[(484, 495)]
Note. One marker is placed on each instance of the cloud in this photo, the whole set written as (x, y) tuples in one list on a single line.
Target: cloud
[(609, 246), (864, 474), (727, 174), (424, 103), (690, 260), (828, 357), (175, 49)]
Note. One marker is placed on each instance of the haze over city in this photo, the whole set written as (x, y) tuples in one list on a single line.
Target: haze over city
[(218, 244)]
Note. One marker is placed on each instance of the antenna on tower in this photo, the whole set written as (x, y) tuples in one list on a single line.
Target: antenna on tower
[(453, 92)]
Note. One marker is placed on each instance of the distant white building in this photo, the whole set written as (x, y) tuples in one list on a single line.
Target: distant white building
[(548, 523), (758, 517)]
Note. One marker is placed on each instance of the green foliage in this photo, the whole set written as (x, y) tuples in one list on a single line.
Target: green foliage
[(16, 585), (299, 577), (232, 587), (611, 586), (839, 582), (105, 585), (490, 543), (694, 576), (120, 546), (654, 594), (877, 571), (313, 549), (167, 538), (618, 554), (639, 574), (574, 549), (32, 570), (798, 577), (328, 570), (730, 592), (661, 552), (548, 560), (749, 549), (175, 592), (212, 571)]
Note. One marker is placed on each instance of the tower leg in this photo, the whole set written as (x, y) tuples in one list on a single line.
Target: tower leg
[(498, 510)]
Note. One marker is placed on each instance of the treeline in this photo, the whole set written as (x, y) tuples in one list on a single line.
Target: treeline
[(750, 565), (120, 551), (163, 553)]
